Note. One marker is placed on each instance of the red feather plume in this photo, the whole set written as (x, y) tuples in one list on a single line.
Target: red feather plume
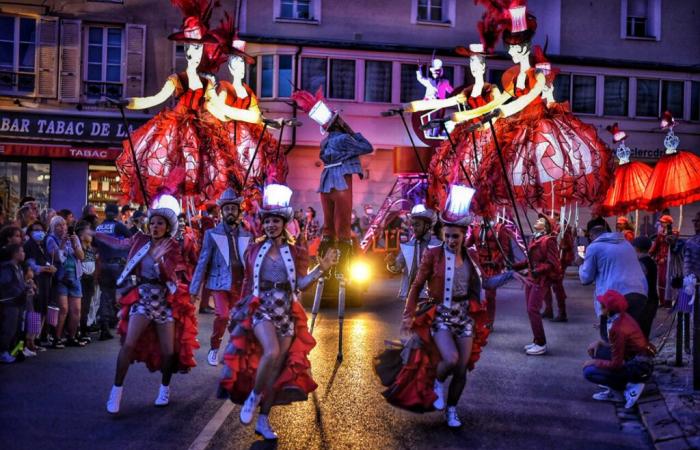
[(305, 100)]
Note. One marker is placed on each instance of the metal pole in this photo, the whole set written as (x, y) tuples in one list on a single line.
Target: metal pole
[(456, 156), (133, 155), (255, 153), (279, 141), (317, 303), (341, 314), (679, 339), (413, 144)]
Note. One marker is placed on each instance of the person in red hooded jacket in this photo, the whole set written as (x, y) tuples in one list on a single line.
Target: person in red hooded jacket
[(623, 363), (566, 258)]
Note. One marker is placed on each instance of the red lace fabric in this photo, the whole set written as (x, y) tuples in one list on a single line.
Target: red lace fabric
[(445, 169), (552, 158), (413, 387), (180, 147), (675, 181), (627, 189), (147, 349), (294, 382)]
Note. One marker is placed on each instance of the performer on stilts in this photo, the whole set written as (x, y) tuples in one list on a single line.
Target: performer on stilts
[(341, 149), (221, 262), (266, 360), (422, 221), (157, 323), (448, 329)]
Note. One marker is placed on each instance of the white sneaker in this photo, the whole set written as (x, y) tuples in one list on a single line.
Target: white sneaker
[(632, 393), (439, 389), (115, 399), (536, 350), (6, 358), (263, 428), (248, 409), (527, 347), (163, 396), (452, 417), (28, 353), (213, 357), (609, 395)]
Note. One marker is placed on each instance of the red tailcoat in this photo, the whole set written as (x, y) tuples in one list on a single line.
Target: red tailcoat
[(544, 257), (490, 256)]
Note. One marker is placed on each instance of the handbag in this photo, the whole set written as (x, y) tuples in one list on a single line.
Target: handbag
[(52, 315), (33, 322)]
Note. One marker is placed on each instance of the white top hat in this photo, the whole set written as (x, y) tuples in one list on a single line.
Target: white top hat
[(436, 65), (276, 200), (457, 207)]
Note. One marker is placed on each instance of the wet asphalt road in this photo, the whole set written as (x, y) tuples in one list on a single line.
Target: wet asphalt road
[(512, 401)]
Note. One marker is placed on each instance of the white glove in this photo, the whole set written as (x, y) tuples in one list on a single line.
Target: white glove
[(689, 284)]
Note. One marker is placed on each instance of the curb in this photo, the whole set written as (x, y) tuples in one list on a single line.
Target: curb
[(665, 431)]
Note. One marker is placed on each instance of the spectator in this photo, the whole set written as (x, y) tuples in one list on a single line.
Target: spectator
[(41, 264), (623, 226), (355, 225), (111, 262), (661, 252), (611, 263), (312, 232), (68, 216), (138, 223), (691, 260), (26, 215), (624, 363), (89, 215), (294, 228), (66, 253), (87, 279), (14, 291), (642, 245), (10, 234), (367, 219), (126, 212), (46, 216)]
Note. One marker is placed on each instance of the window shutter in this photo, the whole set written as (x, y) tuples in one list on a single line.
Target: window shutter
[(135, 59), (69, 72), (47, 57)]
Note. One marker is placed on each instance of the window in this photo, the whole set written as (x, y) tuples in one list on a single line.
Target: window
[(285, 77), (313, 74), (647, 98), (297, 10), (38, 182), (430, 10), (641, 19), (378, 81), (21, 179), (672, 97), (267, 72), (411, 89), (342, 79), (583, 94), (695, 100), (10, 187), (179, 57), (616, 96), (562, 88), (103, 71), (17, 54)]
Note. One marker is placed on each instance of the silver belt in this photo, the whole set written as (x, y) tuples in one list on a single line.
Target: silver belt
[(328, 166)]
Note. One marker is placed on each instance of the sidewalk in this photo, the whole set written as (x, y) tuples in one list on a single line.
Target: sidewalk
[(670, 408)]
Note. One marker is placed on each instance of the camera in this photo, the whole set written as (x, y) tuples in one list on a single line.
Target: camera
[(71, 229)]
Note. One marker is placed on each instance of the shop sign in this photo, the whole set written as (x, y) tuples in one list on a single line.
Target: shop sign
[(60, 151), (60, 127)]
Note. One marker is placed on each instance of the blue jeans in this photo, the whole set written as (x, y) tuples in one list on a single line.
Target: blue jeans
[(615, 379)]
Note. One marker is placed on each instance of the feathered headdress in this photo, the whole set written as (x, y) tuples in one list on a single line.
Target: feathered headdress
[(315, 106), (195, 25), (542, 64), (229, 42), (617, 133), (493, 22)]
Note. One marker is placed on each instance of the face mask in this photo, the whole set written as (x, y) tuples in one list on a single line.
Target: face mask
[(38, 235)]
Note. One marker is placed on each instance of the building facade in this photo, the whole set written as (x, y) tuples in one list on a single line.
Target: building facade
[(622, 61)]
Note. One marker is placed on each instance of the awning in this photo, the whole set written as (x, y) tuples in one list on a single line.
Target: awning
[(60, 151)]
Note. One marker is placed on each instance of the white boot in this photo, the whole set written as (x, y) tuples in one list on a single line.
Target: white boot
[(115, 399), (248, 409), (263, 428), (439, 389), (452, 417), (213, 357), (163, 396)]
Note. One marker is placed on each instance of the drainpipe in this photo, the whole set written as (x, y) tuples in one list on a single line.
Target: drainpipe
[(294, 108)]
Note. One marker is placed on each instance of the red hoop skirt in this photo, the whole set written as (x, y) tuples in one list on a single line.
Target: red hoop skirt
[(675, 181), (626, 192), (413, 387), (148, 347), (242, 357)]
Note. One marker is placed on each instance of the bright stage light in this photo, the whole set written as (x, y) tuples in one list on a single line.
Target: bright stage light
[(359, 271)]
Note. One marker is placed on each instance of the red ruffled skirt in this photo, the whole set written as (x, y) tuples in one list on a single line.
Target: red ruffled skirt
[(413, 387), (243, 353), (148, 348)]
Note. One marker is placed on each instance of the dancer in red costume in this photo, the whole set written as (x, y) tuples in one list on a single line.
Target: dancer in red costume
[(182, 137), (660, 252), (266, 361), (450, 328), (551, 157), (565, 243), (236, 105), (157, 320)]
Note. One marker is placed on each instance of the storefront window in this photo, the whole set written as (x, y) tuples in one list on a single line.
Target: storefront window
[(103, 186), (10, 194), (39, 182)]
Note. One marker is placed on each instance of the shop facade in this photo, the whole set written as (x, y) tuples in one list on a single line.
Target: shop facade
[(64, 160)]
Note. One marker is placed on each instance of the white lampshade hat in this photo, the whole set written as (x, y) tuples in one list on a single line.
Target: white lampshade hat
[(321, 113), (167, 207), (457, 206), (476, 48), (276, 201), (239, 44), (518, 19), (544, 67)]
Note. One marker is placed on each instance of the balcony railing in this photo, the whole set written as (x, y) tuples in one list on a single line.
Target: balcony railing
[(98, 90), (20, 82)]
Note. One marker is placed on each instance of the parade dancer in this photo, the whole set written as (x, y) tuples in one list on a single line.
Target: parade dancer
[(543, 258), (267, 358), (221, 260), (158, 323), (183, 146), (565, 243), (622, 225), (341, 149), (660, 251), (408, 260), (491, 241), (449, 329)]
